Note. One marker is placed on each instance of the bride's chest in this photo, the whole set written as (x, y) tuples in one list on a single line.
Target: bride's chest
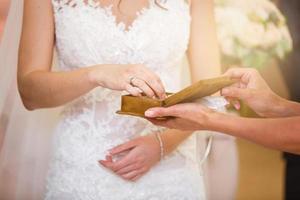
[(87, 35)]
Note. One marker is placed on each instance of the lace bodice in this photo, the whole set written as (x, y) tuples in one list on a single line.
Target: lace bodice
[(154, 38), (87, 34)]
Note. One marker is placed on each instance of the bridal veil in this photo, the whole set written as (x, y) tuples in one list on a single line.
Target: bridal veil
[(25, 137)]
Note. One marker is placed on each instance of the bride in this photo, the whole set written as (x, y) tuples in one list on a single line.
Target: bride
[(107, 48)]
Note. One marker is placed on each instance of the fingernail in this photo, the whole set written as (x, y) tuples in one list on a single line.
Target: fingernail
[(237, 105), (149, 113)]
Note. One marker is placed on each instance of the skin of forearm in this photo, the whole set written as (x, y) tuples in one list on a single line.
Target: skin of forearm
[(204, 62), (288, 108), (278, 133), (44, 89), (172, 138), (203, 52)]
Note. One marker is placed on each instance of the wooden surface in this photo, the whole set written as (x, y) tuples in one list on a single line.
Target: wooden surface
[(198, 90)]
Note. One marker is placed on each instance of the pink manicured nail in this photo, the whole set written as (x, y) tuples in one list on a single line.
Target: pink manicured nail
[(237, 105)]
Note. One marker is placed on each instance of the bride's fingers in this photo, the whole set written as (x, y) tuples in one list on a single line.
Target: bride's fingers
[(109, 158), (137, 177), (127, 160), (154, 83), (131, 174), (158, 89), (122, 148), (105, 163), (129, 168), (143, 86), (133, 90), (135, 174)]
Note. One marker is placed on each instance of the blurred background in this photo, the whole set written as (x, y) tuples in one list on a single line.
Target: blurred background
[(259, 34)]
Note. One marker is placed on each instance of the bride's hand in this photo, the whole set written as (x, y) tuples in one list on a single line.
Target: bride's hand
[(135, 79), (142, 153)]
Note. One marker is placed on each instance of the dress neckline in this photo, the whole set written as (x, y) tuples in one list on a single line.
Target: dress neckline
[(121, 25)]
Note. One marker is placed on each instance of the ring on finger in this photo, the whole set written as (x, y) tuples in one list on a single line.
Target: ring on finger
[(132, 79)]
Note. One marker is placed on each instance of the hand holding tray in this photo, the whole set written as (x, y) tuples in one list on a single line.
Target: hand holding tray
[(136, 106)]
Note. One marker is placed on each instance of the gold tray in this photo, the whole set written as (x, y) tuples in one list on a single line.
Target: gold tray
[(136, 106)]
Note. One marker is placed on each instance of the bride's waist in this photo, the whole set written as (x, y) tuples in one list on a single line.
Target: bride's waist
[(98, 100), (99, 118)]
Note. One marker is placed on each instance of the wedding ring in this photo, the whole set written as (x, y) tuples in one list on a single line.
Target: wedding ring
[(133, 85), (131, 80)]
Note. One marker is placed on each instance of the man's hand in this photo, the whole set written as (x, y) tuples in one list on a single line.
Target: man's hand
[(251, 88), (254, 91), (190, 116)]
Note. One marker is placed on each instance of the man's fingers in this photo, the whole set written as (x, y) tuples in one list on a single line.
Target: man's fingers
[(173, 123), (174, 111), (238, 72), (157, 122), (155, 112), (245, 75), (179, 110), (235, 72), (234, 92)]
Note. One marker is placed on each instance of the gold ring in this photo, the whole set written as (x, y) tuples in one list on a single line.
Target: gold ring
[(131, 79)]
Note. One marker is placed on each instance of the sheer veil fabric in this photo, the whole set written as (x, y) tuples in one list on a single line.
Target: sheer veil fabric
[(25, 137)]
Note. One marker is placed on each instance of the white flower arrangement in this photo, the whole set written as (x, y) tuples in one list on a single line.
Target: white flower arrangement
[(251, 32)]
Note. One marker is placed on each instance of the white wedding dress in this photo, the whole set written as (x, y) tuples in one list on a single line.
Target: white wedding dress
[(87, 34)]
